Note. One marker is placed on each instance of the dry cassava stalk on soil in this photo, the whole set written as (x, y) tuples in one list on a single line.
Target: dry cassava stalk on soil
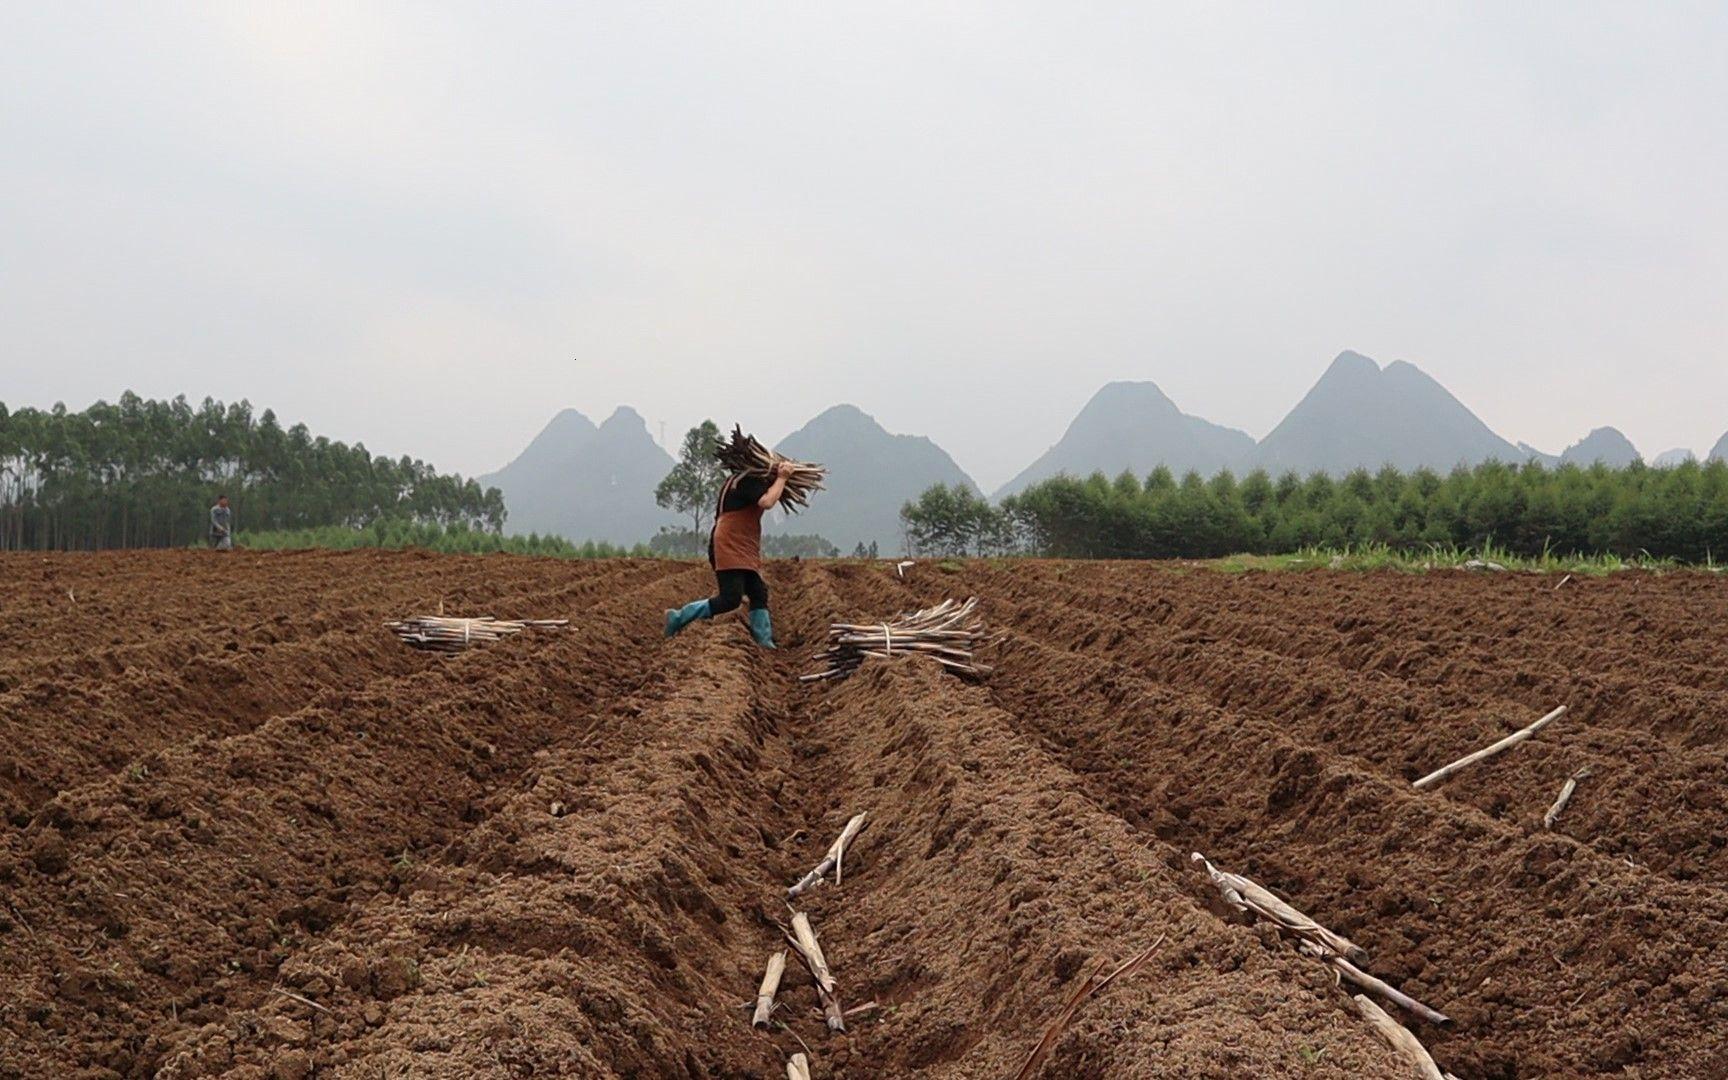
[(1398, 1037), (798, 1068), (1244, 894), (947, 633), (744, 454), (436, 633), (1488, 751), (1089, 987), (770, 986), (1566, 791), (831, 862), (1352, 974), (803, 940)]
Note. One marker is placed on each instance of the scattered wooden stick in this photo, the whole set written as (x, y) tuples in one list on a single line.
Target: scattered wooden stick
[(22, 921), (1488, 751), (770, 986), (783, 1026), (1351, 973), (803, 939), (830, 862), (1563, 581), (1244, 894), (1566, 791), (435, 633), (1398, 1037), (301, 1000), (798, 1068), (1089, 987)]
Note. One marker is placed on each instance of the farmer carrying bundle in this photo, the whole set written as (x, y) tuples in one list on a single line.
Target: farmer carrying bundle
[(760, 479)]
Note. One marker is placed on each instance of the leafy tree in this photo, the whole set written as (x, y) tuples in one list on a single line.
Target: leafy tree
[(955, 520), (693, 485)]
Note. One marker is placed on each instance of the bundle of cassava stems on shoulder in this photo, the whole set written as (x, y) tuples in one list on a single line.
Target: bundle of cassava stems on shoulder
[(744, 454)]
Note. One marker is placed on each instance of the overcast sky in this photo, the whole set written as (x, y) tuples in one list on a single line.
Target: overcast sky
[(429, 227)]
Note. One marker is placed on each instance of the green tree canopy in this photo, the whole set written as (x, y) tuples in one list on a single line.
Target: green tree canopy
[(693, 485), (143, 473)]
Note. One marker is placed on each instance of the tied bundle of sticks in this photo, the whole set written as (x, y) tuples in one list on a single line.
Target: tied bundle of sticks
[(947, 633), (435, 633), (745, 454)]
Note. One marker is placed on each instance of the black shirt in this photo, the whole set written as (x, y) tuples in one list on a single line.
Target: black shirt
[(749, 488)]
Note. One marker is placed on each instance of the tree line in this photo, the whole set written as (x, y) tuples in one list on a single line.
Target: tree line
[(1676, 513), (143, 473), (457, 539)]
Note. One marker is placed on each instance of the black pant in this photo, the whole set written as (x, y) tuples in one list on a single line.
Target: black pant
[(734, 586)]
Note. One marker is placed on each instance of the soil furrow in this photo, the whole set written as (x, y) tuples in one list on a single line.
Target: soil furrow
[(167, 887), (566, 854)]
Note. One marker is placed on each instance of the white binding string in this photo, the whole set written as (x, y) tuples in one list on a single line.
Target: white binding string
[(887, 640), (466, 624)]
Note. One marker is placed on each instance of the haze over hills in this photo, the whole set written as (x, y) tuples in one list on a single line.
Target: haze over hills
[(1668, 459), (1134, 425), (587, 483), (1527, 452), (1605, 444), (871, 474), (1720, 451), (1362, 416)]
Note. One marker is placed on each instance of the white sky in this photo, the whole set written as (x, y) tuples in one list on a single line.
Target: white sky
[(428, 227)]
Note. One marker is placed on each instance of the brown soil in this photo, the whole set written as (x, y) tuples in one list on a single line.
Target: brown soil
[(228, 793)]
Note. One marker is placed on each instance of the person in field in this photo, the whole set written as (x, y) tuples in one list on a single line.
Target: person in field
[(735, 552), (222, 525)]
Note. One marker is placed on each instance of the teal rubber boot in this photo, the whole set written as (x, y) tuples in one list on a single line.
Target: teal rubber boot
[(678, 618), (762, 627)]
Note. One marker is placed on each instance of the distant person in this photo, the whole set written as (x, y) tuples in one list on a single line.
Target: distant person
[(735, 552), (222, 525)]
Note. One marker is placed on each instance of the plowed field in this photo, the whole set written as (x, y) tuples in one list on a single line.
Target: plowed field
[(248, 833)]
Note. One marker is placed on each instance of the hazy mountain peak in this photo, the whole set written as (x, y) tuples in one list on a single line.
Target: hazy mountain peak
[(1352, 363), (844, 416), (585, 482), (1720, 452), (1135, 426), (1405, 371), (1124, 393), (1359, 416), (569, 418), (1668, 459), (1604, 444), (561, 436), (872, 472), (625, 418)]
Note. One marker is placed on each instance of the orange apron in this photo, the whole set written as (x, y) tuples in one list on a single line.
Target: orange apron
[(736, 543)]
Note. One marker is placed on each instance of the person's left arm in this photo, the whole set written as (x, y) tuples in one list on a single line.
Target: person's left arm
[(777, 488)]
